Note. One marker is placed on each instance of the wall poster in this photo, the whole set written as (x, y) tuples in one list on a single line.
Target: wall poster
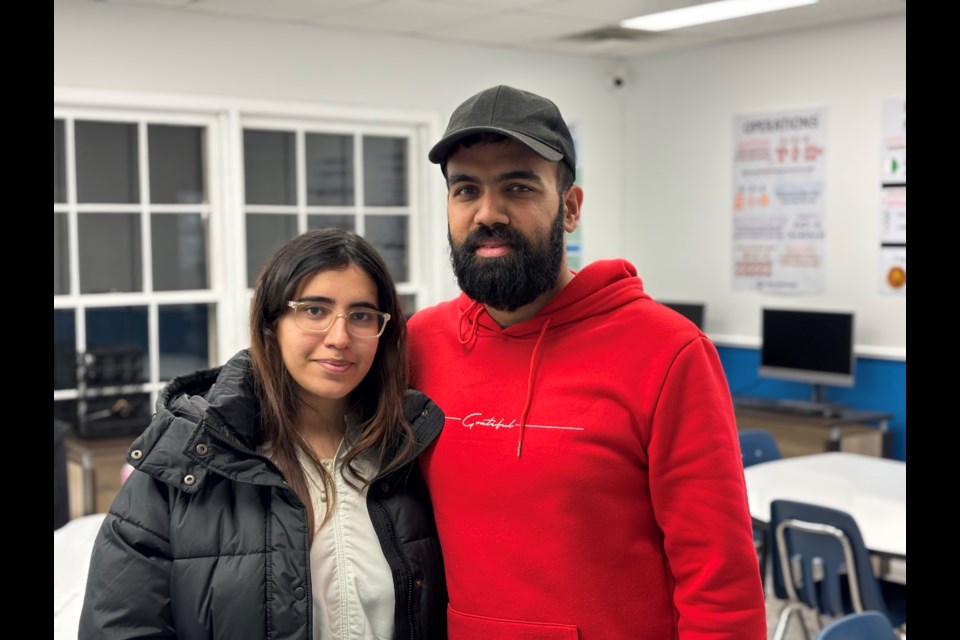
[(893, 200), (779, 183), (574, 240)]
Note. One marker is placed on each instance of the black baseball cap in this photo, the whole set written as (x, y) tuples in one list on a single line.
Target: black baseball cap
[(526, 117)]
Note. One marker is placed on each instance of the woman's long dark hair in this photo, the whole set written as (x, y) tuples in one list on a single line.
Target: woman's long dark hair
[(378, 399)]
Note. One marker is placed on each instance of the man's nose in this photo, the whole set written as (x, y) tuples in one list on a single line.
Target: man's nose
[(491, 210)]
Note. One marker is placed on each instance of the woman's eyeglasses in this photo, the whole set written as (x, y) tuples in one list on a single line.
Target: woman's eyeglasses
[(319, 318)]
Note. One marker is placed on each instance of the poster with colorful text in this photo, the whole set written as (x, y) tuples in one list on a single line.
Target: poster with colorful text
[(779, 185)]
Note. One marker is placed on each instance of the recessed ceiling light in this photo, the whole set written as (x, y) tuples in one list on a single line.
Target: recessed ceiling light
[(708, 12)]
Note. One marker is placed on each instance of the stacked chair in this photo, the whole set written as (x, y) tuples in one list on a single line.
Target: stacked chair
[(756, 446), (821, 565), (867, 625)]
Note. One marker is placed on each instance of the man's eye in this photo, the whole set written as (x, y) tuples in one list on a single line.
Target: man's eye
[(518, 188), (465, 191)]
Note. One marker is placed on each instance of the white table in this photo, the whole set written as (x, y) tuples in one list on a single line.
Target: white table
[(72, 546), (872, 490)]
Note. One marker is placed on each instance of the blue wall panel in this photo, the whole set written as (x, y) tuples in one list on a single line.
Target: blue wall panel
[(881, 385)]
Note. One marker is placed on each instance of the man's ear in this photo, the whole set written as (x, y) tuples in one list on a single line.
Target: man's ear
[(572, 201)]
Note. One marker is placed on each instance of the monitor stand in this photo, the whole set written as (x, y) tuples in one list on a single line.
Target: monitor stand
[(819, 395)]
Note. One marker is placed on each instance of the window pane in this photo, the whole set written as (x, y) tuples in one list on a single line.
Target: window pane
[(184, 339), (269, 167), (389, 235), (176, 164), (266, 234), (408, 302), (384, 171), (64, 349), (179, 251), (115, 415), (61, 255), (329, 169), (346, 222), (110, 254), (59, 163), (66, 410), (116, 346), (107, 166)]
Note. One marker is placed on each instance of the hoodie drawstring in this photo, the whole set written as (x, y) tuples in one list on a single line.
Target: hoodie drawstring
[(534, 359), (471, 314)]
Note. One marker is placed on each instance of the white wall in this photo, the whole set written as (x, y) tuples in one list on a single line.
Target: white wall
[(656, 154), (678, 181), (130, 48)]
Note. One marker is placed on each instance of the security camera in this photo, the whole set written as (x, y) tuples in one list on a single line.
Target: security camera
[(617, 76)]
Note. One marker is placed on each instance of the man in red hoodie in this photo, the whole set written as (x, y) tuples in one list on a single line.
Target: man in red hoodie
[(588, 482)]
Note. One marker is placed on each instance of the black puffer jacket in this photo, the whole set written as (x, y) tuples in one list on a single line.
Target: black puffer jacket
[(207, 541)]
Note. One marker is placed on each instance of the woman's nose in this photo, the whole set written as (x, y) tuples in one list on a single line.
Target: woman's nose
[(337, 335)]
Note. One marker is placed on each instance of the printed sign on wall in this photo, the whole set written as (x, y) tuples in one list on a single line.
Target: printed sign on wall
[(778, 201), (574, 241), (893, 200)]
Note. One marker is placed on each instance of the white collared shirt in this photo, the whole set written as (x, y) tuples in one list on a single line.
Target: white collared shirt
[(353, 593)]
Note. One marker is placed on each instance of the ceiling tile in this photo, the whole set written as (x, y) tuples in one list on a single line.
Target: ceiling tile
[(404, 16), (563, 26), (280, 9)]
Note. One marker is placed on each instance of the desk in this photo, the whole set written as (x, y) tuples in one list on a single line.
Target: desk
[(872, 490), (93, 470), (853, 430)]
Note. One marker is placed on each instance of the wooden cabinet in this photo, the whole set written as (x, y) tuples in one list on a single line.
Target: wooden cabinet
[(93, 472), (852, 431)]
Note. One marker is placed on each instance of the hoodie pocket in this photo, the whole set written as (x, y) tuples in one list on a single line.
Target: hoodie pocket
[(462, 626)]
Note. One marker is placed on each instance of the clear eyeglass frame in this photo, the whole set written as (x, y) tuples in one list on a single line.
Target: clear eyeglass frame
[(349, 319)]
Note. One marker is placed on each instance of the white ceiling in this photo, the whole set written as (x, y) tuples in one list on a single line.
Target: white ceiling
[(581, 27)]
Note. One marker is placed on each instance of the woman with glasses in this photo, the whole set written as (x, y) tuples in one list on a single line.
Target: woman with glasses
[(278, 496)]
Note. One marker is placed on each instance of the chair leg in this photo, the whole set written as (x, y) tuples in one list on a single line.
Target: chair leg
[(803, 624), (762, 553), (784, 619)]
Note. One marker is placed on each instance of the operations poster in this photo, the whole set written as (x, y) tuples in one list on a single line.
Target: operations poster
[(779, 186)]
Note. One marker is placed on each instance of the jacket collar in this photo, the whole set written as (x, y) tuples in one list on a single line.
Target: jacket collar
[(208, 422)]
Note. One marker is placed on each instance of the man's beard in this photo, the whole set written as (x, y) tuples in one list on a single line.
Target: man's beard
[(508, 282)]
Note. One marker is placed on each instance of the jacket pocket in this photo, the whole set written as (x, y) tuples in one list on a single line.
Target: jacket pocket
[(462, 626)]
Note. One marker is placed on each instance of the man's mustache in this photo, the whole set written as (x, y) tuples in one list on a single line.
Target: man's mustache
[(486, 234)]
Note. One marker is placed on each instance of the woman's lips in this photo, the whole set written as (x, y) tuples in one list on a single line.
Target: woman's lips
[(334, 366)]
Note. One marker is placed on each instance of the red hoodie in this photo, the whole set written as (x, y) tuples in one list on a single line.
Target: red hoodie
[(588, 481)]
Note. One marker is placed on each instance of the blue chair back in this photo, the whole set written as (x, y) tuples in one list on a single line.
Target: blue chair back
[(824, 579), (757, 445), (866, 625)]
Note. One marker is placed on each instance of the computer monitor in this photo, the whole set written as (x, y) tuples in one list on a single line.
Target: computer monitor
[(694, 311), (807, 346)]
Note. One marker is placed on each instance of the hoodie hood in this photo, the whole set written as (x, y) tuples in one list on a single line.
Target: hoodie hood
[(601, 287), (205, 422)]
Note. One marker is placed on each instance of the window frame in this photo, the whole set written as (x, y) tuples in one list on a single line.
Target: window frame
[(225, 120)]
